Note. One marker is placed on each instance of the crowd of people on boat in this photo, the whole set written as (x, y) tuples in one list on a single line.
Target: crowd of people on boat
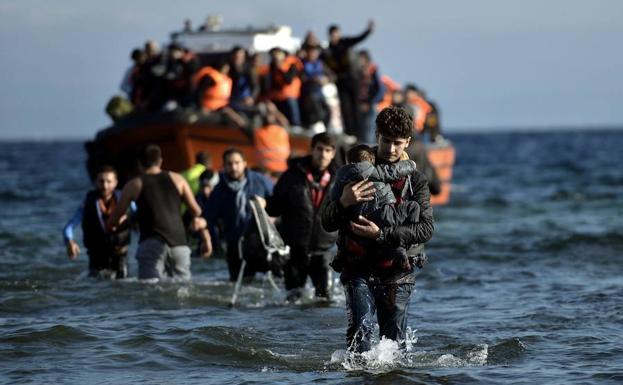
[(366, 220), (241, 86)]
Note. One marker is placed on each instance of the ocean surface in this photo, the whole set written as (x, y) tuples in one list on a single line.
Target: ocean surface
[(524, 285)]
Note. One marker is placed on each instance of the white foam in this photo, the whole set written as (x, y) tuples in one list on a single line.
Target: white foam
[(386, 355)]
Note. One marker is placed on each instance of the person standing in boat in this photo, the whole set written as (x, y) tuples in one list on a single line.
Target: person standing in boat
[(163, 249), (298, 198), (371, 91), (228, 203), (107, 251), (340, 59), (376, 284)]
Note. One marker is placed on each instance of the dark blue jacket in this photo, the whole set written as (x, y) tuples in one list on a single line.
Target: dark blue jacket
[(222, 204)]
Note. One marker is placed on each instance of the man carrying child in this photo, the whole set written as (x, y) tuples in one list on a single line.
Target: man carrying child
[(379, 279)]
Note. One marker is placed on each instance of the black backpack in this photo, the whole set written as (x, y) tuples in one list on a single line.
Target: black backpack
[(263, 249)]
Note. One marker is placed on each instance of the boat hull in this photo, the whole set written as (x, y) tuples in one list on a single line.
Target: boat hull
[(181, 137)]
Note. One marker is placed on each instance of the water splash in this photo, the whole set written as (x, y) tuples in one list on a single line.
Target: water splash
[(386, 355)]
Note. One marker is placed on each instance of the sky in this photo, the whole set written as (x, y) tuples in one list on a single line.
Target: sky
[(489, 64)]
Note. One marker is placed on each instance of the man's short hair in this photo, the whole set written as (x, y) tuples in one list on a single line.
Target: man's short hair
[(324, 138), (203, 157), (360, 153), (394, 122), (333, 28), (365, 54), (411, 87), (136, 54), (230, 151), (150, 156), (106, 169)]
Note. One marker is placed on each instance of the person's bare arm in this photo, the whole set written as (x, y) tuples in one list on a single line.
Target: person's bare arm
[(198, 223), (130, 193)]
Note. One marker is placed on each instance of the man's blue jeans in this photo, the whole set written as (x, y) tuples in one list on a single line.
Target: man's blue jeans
[(389, 301)]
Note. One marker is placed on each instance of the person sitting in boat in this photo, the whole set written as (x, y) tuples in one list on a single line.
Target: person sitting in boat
[(315, 75), (272, 143), (228, 203), (283, 84), (130, 84), (417, 105), (383, 209), (245, 82), (181, 64), (107, 251), (213, 90)]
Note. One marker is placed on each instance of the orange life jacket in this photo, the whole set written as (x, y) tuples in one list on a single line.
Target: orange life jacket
[(218, 95), (280, 90), (423, 109), (272, 147), (390, 87)]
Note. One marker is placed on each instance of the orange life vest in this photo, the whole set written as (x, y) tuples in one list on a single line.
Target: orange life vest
[(272, 147), (390, 87), (218, 95), (280, 90), (423, 109)]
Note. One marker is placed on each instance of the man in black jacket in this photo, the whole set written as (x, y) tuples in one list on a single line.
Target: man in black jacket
[(298, 198), (373, 283)]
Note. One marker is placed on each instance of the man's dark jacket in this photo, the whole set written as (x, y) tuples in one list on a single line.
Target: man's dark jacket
[(300, 226), (335, 217)]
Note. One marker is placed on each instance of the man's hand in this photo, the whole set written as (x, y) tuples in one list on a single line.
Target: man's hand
[(206, 244), (198, 223), (261, 200), (356, 192), (365, 228), (72, 249), (371, 25)]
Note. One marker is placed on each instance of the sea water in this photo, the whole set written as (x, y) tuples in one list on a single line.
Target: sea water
[(524, 285)]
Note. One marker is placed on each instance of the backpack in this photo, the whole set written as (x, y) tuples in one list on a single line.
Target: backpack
[(263, 249)]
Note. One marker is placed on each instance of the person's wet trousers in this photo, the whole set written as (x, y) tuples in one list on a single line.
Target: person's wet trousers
[(316, 266), (389, 301)]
